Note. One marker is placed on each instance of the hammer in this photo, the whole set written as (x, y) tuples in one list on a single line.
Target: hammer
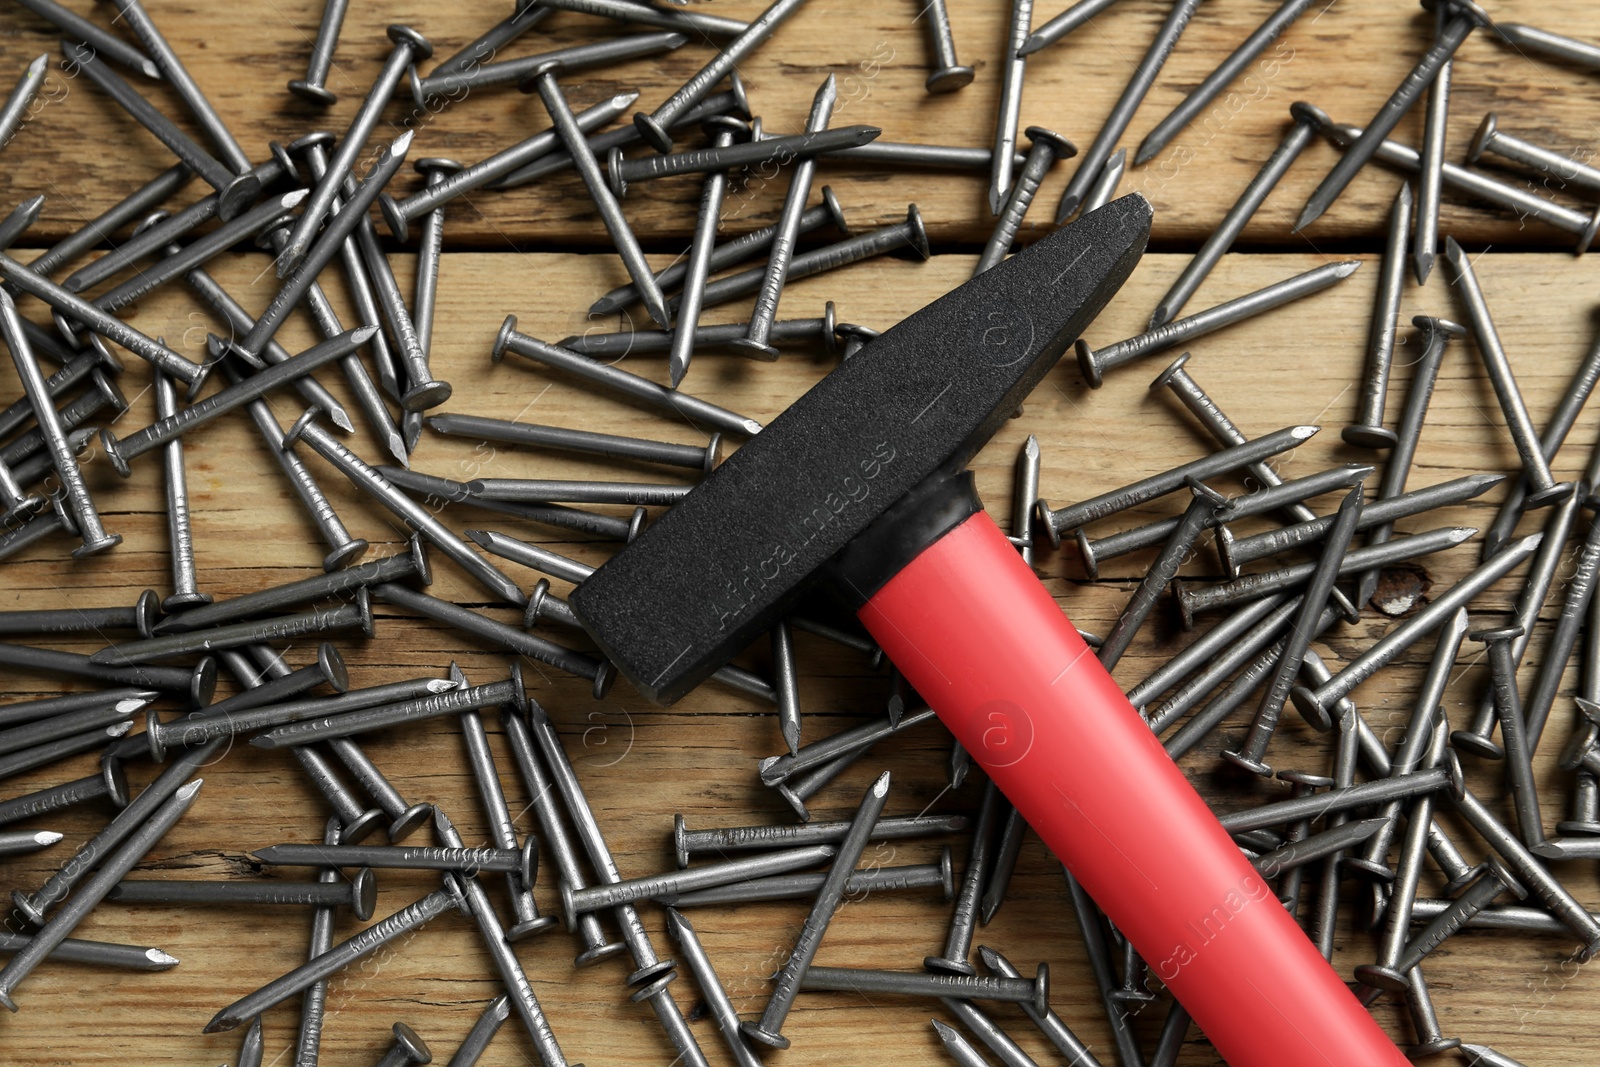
[(862, 483)]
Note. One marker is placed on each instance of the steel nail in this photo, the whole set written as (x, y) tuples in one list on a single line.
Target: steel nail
[(1575, 605), (375, 485), (1544, 42), (1408, 754), (575, 902), (868, 880), (907, 234), (521, 862), (70, 724), (498, 942), (357, 615), (702, 249), (1479, 186), (734, 250), (786, 985), (653, 973), (408, 1048), (313, 88), (1094, 944), (1144, 76), (141, 617), (1423, 622), (1531, 872), (501, 831), (1545, 488), (413, 562), (1024, 497), (566, 125), (101, 40), (1057, 522), (357, 821), (1226, 73), (1585, 820), (98, 953), (308, 1039), (176, 74), (1045, 147), (1045, 1018), (197, 683), (1556, 431), (1192, 600), (363, 944), (1143, 600), (557, 840), (235, 190), (444, 187), (1478, 737), (1564, 169), (86, 517), (135, 205), (654, 126), (775, 770), (945, 74), (1307, 119), (1105, 184), (111, 783), (180, 535), (1094, 363), (1006, 852), (137, 813), (958, 940), (1313, 602), (1034, 992), (28, 759), (1430, 1038), (737, 153), (104, 396), (822, 330), (1460, 912), (1513, 732), (1241, 550), (1223, 429), (730, 102), (1207, 652), (642, 389), (94, 889), (1074, 16), (599, 671), (1368, 431), (404, 819), (180, 259), (520, 71), (494, 1016), (526, 14), (361, 720), (359, 894), (693, 457), (1383, 974), (409, 45), (1465, 16), (22, 842), (783, 242), (1097, 550), (22, 216), (957, 1047), (682, 933), (107, 326), (71, 373), (1013, 66)]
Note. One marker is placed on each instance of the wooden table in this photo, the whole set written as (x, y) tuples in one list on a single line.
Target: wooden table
[(539, 253)]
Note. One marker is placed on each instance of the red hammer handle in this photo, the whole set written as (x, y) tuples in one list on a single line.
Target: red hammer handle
[(972, 628)]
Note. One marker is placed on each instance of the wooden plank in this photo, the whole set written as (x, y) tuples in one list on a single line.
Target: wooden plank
[(1346, 57), (640, 763)]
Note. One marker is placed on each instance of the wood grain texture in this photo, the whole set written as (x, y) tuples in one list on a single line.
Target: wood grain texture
[(1347, 57), (639, 763)]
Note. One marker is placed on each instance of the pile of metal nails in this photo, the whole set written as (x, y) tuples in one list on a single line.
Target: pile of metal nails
[(306, 203)]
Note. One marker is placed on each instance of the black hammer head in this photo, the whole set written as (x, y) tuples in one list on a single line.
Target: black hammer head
[(723, 564)]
